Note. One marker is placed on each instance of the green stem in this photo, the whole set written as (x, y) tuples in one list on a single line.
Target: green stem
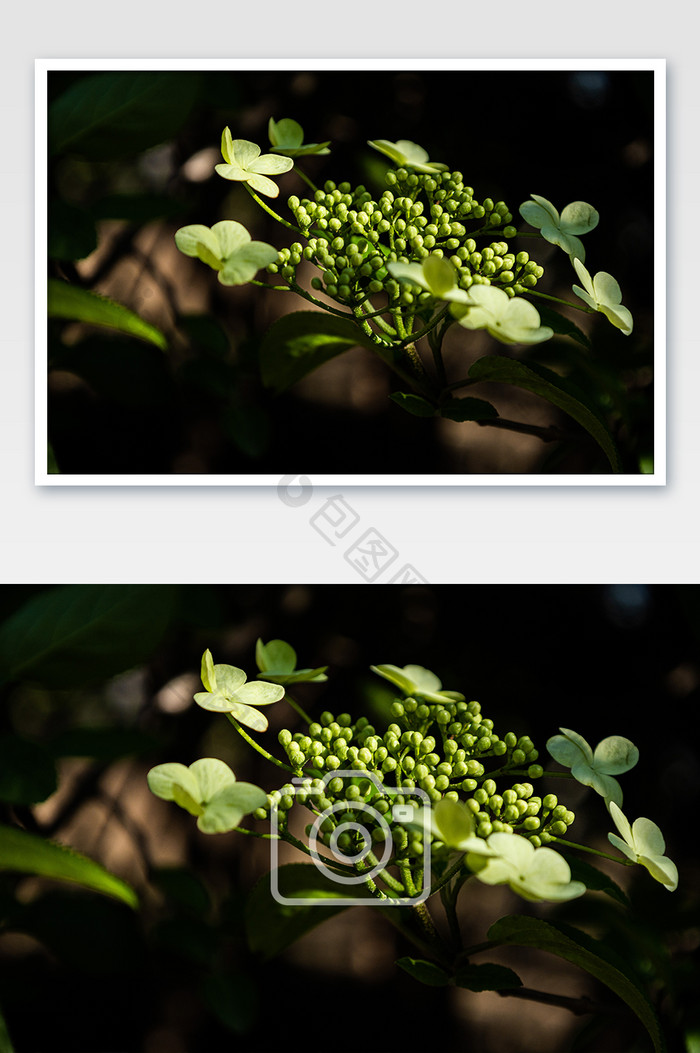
[(271, 212), (297, 708), (256, 746), (447, 876), (557, 299), (306, 179), (594, 852)]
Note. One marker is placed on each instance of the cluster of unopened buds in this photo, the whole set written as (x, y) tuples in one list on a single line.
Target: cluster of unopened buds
[(426, 243), (462, 789)]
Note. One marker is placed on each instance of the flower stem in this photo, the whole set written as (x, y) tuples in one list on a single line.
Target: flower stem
[(594, 852), (297, 708), (271, 212), (256, 746)]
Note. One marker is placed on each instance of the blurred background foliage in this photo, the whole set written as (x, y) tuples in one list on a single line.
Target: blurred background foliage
[(97, 685), (131, 158)]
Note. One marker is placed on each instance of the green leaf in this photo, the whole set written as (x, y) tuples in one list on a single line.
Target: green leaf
[(114, 114), (27, 771), (5, 1042), (562, 326), (468, 409), (488, 977), (51, 462), (413, 404), (81, 305), (301, 342), (595, 879), (272, 926), (72, 635), (425, 972), (589, 954), (561, 393), (29, 854)]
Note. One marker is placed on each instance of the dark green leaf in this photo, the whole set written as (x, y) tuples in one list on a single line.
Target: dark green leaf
[(487, 977), (73, 635), (81, 305), (27, 771), (234, 998), (29, 854), (414, 404), (562, 326), (425, 972), (589, 954), (272, 926), (468, 409), (115, 114), (301, 342), (72, 234), (595, 879), (5, 1043), (51, 463), (550, 386), (182, 888)]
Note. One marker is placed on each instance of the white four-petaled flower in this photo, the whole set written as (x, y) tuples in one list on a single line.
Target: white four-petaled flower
[(534, 873), (406, 154), (603, 294), (245, 163), (577, 218), (613, 756), (228, 692), (228, 248), (643, 843), (509, 319)]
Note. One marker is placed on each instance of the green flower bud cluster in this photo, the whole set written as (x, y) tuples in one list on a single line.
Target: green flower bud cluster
[(444, 750), (351, 237)]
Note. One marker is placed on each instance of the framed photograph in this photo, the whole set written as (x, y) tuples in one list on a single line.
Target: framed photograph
[(377, 273)]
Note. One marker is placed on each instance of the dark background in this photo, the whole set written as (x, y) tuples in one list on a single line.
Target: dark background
[(119, 406), (178, 977)]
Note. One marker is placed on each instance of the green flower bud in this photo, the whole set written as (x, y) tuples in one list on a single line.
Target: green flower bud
[(535, 771), (531, 823), (550, 802), (484, 829)]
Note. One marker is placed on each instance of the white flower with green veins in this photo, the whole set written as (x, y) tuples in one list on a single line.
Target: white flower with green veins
[(534, 873), (245, 163), (228, 692), (643, 843), (435, 274), (509, 319), (417, 682), (603, 294), (577, 218), (287, 137), (209, 790), (406, 154), (227, 248), (613, 756)]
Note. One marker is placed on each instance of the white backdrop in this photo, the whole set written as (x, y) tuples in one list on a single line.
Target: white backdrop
[(496, 534)]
